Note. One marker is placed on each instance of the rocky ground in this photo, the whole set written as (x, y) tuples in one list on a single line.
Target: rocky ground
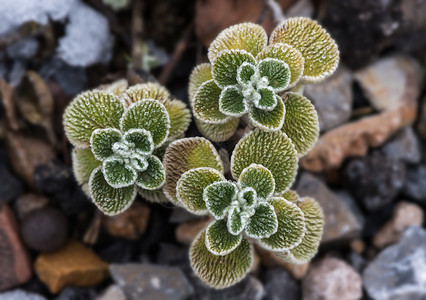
[(368, 169)]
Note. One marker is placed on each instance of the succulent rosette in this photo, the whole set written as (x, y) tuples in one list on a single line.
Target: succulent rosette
[(120, 134), (257, 207), (246, 76)]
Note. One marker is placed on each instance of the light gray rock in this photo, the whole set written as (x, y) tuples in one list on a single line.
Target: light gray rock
[(279, 284), (113, 292), (404, 146), (20, 295)]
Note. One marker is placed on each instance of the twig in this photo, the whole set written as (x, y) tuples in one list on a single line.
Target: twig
[(137, 35)]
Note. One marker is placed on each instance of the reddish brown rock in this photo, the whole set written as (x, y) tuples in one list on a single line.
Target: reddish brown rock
[(14, 262), (187, 231)]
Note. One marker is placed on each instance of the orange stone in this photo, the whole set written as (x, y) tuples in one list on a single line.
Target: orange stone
[(74, 264)]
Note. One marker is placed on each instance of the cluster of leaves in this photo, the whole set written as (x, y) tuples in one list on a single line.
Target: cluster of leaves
[(119, 136)]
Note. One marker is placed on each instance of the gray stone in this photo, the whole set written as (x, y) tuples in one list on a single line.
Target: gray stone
[(113, 292), (415, 185), (404, 146), (421, 124), (145, 281), (399, 271), (332, 99), (23, 49), (343, 221), (20, 295), (279, 283), (10, 187)]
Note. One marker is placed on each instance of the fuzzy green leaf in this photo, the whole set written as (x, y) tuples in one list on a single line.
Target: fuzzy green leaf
[(179, 115), (88, 112), (268, 100), (185, 154), (205, 104), (249, 195), (225, 66), (291, 196), (83, 164), (236, 221), (260, 179), (117, 173), (277, 72), (245, 73), (263, 223), (317, 47), (218, 239), (301, 122), (268, 120), (288, 54), (245, 36), (291, 226), (141, 139), (109, 200), (218, 197), (191, 185), (218, 132), (145, 91), (199, 75), (102, 142), (154, 176), (314, 220), (150, 115), (220, 271), (273, 150), (231, 102)]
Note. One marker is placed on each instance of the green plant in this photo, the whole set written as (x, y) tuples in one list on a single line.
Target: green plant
[(119, 135)]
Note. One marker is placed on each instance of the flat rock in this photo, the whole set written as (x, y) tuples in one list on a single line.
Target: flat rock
[(343, 220), (279, 283), (415, 184), (331, 278), (14, 262), (404, 146), (145, 281), (399, 271), (20, 295), (113, 292), (332, 99), (74, 264), (187, 231)]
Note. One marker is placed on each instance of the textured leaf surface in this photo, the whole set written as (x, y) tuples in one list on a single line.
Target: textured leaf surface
[(141, 139), (154, 176), (301, 122), (90, 111), (317, 47), (150, 115), (263, 223), (102, 141), (291, 196), (231, 102), (236, 221), (218, 132), (314, 220), (191, 185), (218, 239), (83, 164), (117, 173), (179, 115), (259, 178), (218, 197), (273, 150), (268, 101), (245, 72), (185, 154), (144, 91), (291, 226), (246, 36), (109, 200), (277, 72), (268, 120), (225, 66), (199, 75), (206, 103), (220, 271), (288, 54)]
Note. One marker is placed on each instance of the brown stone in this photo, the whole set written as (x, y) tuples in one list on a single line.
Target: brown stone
[(186, 232), (74, 264), (131, 224), (270, 260), (29, 202), (14, 262), (358, 246), (405, 215)]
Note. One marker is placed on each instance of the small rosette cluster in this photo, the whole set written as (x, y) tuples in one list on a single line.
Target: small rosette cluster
[(257, 207), (119, 135), (246, 76)]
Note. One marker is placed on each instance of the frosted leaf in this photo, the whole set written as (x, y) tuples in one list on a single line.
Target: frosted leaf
[(317, 47), (150, 115), (109, 200), (218, 197), (231, 102), (301, 122), (225, 66), (263, 223), (102, 142), (268, 120), (236, 221), (220, 271), (291, 226), (245, 72), (218, 132), (276, 71), (314, 220), (191, 185), (199, 75), (180, 117), (185, 154), (245, 36), (143, 91), (141, 139), (117, 173), (205, 104), (268, 100), (154, 176), (291, 196), (90, 111), (273, 150), (288, 54), (218, 239), (259, 178), (83, 164)]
